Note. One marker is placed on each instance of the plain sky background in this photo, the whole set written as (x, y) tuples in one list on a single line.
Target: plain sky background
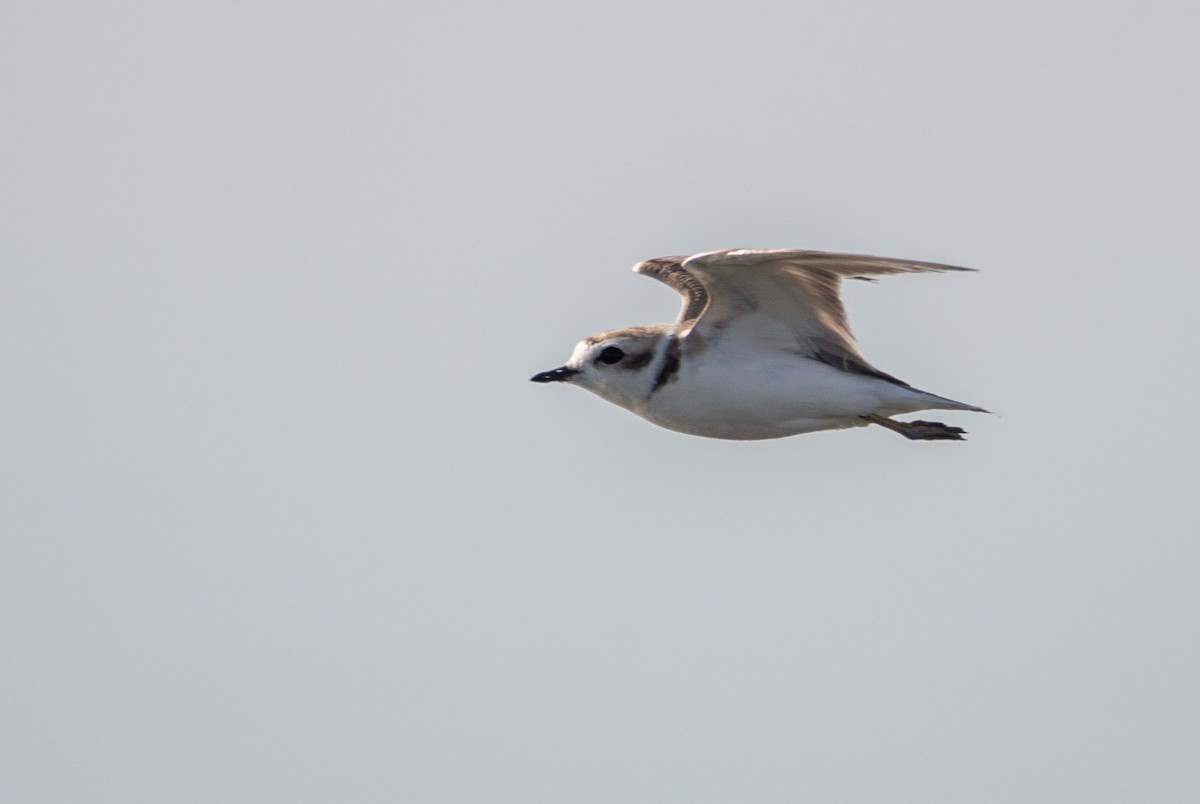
[(283, 519)]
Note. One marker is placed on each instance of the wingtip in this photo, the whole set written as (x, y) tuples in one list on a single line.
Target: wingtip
[(656, 263)]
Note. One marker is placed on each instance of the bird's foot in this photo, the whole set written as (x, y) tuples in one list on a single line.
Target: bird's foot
[(920, 430)]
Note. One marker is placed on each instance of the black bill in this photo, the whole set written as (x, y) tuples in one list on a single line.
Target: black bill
[(560, 374)]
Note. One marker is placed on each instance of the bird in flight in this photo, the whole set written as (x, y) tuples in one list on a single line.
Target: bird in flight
[(761, 349)]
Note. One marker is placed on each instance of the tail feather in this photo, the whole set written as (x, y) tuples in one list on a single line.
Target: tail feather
[(945, 403)]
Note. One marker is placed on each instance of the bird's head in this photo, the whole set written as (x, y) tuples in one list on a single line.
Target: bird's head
[(618, 365)]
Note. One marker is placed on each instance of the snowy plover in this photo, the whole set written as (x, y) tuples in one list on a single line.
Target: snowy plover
[(761, 349)]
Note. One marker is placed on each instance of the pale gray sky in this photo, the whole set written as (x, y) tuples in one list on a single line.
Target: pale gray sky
[(284, 520)]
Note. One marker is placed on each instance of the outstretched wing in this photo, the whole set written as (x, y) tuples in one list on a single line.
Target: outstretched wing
[(670, 271), (776, 298)]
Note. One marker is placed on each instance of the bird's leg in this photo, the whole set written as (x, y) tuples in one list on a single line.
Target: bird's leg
[(920, 430)]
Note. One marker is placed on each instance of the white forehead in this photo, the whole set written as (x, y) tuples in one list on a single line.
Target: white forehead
[(581, 350)]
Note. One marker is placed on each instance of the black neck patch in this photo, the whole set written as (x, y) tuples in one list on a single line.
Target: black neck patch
[(669, 371)]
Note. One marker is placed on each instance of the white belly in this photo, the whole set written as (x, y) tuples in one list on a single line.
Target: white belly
[(771, 399)]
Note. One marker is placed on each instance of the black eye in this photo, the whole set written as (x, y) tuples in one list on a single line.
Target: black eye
[(610, 355)]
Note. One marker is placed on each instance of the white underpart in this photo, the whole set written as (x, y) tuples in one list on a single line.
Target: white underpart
[(774, 398)]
